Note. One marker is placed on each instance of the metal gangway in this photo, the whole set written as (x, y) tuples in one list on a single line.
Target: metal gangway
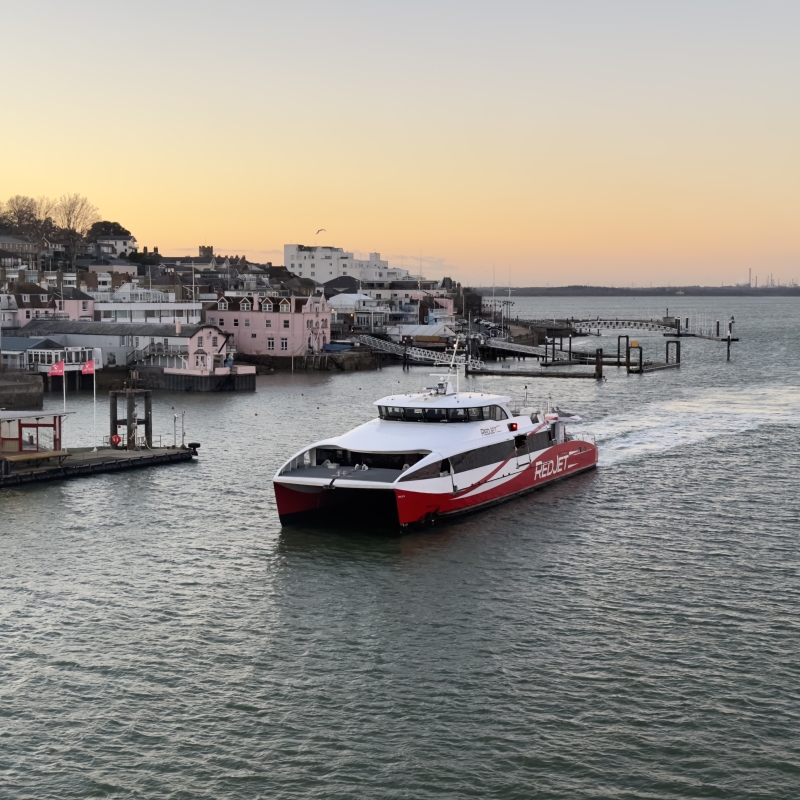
[(586, 325), (418, 353), (522, 349)]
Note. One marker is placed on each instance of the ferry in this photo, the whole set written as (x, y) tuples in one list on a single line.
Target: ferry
[(430, 455)]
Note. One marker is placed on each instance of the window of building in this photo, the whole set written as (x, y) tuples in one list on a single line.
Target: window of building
[(199, 341), (252, 336), (28, 314), (284, 344), (214, 341), (308, 323), (324, 323), (286, 323), (270, 343), (235, 323), (247, 322), (222, 305), (312, 274), (245, 306), (166, 341), (26, 298), (137, 341), (268, 323), (211, 321), (221, 322)]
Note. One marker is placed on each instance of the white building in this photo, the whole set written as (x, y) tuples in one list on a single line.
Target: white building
[(132, 304), (323, 264), (360, 311), (114, 245)]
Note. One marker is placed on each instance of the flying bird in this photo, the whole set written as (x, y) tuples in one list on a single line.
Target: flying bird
[(321, 230)]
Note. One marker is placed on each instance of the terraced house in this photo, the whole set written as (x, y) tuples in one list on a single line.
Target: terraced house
[(276, 326)]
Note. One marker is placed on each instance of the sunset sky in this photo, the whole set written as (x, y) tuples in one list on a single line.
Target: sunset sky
[(562, 142)]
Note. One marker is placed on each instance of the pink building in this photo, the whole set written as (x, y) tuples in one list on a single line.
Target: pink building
[(77, 304), (274, 326)]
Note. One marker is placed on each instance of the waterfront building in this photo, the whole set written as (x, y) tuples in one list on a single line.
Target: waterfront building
[(191, 347), (359, 311), (131, 303), (273, 325)]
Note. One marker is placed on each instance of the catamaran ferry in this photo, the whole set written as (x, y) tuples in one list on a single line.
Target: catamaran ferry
[(430, 455)]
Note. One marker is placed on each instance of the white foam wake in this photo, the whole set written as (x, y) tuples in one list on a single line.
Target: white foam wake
[(657, 427)]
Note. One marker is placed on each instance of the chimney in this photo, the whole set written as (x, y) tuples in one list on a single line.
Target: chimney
[(177, 326)]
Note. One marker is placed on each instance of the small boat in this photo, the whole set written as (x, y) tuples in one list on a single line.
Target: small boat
[(430, 455)]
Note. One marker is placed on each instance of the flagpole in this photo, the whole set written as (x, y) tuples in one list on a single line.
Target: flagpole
[(94, 393)]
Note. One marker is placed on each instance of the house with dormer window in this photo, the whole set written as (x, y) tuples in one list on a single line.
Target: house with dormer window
[(284, 326)]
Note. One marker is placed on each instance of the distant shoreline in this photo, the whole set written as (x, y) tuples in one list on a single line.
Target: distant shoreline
[(660, 291)]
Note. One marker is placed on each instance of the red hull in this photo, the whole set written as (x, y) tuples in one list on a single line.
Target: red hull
[(406, 507)]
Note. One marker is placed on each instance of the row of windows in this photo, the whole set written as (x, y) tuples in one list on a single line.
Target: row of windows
[(286, 323), (483, 456), (271, 343), (480, 414)]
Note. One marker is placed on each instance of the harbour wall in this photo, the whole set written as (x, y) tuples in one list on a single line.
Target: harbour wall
[(21, 390), (343, 361)]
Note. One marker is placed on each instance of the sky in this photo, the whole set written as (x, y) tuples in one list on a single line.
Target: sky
[(606, 142)]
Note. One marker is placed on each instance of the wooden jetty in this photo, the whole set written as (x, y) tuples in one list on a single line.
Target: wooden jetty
[(31, 443), (19, 468)]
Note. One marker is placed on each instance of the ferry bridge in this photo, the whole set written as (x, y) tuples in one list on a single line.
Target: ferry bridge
[(418, 353)]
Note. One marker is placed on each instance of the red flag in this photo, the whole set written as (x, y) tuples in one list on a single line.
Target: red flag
[(57, 370), (88, 368)]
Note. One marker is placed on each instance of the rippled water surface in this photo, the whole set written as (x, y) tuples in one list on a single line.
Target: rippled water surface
[(630, 633)]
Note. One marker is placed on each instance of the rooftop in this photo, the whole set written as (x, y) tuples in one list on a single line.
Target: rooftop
[(43, 327)]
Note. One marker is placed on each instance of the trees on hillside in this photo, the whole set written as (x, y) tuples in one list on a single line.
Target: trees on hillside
[(74, 215), (27, 217), (106, 228)]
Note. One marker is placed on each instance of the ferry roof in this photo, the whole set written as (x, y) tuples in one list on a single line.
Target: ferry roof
[(5, 416), (454, 400)]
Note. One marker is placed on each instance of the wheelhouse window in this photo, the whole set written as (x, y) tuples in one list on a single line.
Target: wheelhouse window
[(458, 414)]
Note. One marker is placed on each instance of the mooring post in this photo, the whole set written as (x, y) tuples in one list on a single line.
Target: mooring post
[(112, 418), (148, 418), (131, 419), (641, 362), (729, 346), (570, 347), (598, 364), (717, 329)]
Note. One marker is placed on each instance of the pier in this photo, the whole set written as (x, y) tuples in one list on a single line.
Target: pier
[(84, 461)]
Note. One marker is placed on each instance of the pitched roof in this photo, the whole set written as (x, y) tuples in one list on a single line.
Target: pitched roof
[(48, 326)]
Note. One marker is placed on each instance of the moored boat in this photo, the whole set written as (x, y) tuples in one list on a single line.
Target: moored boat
[(430, 455)]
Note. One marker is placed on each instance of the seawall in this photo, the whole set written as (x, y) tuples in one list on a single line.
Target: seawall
[(21, 390)]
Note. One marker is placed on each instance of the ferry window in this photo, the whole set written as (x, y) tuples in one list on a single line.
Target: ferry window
[(475, 414), (436, 414), (458, 415), (496, 413), (392, 412), (483, 456), (428, 471), (414, 414)]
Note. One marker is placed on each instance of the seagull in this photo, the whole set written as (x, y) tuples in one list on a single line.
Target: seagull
[(321, 230)]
